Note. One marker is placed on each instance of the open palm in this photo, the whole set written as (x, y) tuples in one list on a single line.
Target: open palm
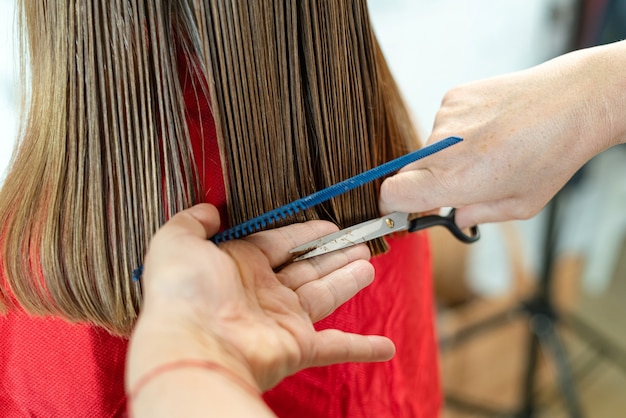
[(262, 317)]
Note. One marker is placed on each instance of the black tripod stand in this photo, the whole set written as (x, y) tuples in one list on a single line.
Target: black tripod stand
[(544, 322)]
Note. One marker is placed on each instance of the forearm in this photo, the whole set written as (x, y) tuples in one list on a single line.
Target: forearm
[(172, 373), (613, 57), (598, 82)]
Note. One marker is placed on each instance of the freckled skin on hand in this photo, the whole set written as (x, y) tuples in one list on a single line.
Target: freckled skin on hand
[(521, 126)]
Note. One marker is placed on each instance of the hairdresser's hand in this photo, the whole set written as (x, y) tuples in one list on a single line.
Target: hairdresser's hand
[(525, 135), (228, 304)]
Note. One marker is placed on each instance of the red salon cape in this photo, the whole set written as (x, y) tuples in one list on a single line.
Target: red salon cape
[(51, 368)]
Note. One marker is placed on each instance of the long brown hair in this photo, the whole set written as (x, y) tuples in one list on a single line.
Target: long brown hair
[(301, 96)]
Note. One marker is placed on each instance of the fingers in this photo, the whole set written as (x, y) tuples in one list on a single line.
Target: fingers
[(302, 272), (276, 243), (324, 283), (333, 346), (476, 214), (496, 211), (418, 191), (319, 298)]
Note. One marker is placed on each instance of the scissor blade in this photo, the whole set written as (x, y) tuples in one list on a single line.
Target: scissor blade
[(356, 234)]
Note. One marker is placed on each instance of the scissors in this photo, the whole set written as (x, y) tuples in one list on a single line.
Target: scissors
[(376, 228)]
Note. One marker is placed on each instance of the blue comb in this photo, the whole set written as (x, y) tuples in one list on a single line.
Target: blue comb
[(268, 218)]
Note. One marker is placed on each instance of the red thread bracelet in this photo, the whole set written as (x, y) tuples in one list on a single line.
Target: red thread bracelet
[(204, 364)]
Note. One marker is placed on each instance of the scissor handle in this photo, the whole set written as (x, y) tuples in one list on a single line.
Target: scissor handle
[(449, 223)]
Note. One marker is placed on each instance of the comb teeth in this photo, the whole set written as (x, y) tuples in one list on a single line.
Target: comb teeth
[(137, 273), (260, 222), (268, 218)]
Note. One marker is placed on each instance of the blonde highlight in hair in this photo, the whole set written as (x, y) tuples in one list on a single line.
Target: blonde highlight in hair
[(301, 96)]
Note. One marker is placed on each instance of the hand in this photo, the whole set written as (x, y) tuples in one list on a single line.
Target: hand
[(525, 135), (227, 303)]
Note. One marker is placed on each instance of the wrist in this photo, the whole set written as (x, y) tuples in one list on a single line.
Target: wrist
[(156, 343)]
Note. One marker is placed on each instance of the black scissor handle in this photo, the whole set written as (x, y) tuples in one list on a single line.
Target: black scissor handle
[(449, 223)]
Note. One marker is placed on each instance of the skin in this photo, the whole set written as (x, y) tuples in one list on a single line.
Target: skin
[(525, 135), (229, 306)]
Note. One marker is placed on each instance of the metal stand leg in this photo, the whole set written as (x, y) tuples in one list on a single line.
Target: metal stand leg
[(543, 337), (552, 341)]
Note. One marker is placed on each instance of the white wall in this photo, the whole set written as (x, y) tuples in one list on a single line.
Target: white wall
[(433, 45), (8, 92)]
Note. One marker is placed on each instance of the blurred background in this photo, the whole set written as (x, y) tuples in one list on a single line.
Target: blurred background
[(531, 318)]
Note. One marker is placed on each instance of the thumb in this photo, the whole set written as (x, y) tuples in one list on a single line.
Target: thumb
[(202, 221), (411, 191)]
